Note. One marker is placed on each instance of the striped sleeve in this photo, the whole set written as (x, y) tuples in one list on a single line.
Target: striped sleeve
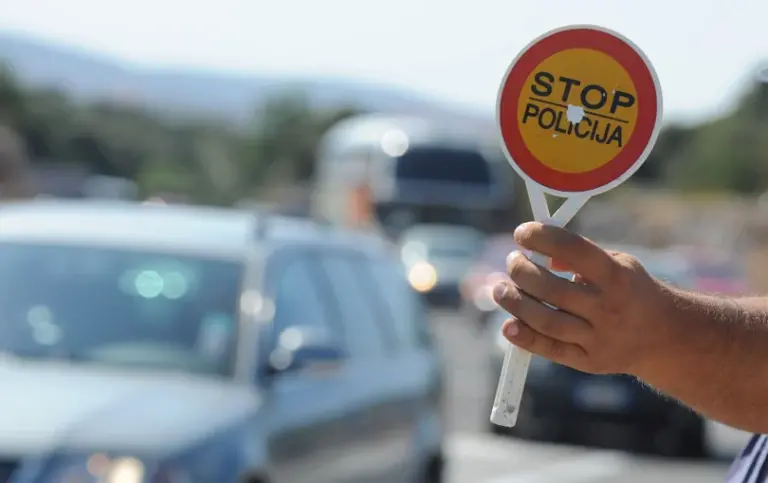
[(751, 466)]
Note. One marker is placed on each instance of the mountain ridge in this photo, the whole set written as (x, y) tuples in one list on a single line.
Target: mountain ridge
[(88, 75)]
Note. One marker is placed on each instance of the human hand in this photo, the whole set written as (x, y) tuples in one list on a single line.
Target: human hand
[(612, 318)]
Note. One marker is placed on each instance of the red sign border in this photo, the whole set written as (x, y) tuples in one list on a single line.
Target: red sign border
[(648, 116)]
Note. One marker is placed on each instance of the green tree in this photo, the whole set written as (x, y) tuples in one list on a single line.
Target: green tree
[(284, 139), (725, 154)]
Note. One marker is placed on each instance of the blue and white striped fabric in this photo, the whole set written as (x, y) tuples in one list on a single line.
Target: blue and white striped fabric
[(752, 464)]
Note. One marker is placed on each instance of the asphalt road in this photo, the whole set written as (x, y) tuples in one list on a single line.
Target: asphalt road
[(476, 456)]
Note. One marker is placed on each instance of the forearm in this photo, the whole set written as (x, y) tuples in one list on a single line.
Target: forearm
[(756, 304), (715, 358)]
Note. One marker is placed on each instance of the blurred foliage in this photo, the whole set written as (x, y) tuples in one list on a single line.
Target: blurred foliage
[(204, 160), (727, 154), (210, 161)]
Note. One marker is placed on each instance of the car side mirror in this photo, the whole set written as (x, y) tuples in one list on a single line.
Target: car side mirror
[(301, 347)]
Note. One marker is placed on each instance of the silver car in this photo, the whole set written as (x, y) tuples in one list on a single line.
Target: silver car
[(436, 258), (191, 344)]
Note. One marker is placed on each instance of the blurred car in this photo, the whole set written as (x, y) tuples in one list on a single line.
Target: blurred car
[(719, 276), (151, 343), (667, 265), (477, 285), (563, 404), (436, 258)]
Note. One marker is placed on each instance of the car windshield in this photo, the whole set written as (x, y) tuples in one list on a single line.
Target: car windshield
[(119, 307), (447, 250), (447, 244), (443, 164)]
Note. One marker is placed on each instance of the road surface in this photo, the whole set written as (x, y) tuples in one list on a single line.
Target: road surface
[(476, 456)]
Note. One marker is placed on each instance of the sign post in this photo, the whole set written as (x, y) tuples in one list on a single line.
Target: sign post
[(579, 111)]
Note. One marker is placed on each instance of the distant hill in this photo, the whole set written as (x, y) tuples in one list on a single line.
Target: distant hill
[(91, 76)]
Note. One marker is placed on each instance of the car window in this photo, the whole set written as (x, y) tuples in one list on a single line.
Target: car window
[(115, 306), (443, 164), (407, 312), (298, 300), (364, 335)]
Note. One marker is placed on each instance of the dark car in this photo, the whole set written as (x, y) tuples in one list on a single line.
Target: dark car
[(436, 258), (150, 343), (563, 404)]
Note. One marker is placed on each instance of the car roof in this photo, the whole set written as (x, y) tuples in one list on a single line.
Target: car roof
[(437, 230), (367, 130), (205, 230)]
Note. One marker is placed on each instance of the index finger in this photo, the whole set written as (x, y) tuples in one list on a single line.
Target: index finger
[(579, 254), (558, 266)]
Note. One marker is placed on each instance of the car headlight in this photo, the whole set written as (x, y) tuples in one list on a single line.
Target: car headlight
[(96, 468), (422, 276), (101, 468)]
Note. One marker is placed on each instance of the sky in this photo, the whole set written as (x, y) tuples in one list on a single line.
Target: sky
[(704, 51)]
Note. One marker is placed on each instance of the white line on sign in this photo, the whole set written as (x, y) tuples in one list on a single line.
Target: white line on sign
[(586, 468)]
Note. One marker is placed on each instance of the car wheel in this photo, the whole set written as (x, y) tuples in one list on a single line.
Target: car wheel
[(688, 442), (693, 442), (667, 442), (434, 471), (253, 478)]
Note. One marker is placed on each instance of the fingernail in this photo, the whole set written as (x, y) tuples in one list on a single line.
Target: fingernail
[(521, 228), (500, 290), (512, 256), (512, 329)]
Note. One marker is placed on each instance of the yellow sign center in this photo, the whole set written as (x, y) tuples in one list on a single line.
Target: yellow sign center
[(577, 110)]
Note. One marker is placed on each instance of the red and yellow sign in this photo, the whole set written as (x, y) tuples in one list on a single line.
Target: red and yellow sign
[(579, 110)]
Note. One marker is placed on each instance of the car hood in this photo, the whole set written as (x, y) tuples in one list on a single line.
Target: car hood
[(48, 406)]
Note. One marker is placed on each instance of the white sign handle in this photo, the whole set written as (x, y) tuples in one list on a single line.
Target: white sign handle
[(514, 370)]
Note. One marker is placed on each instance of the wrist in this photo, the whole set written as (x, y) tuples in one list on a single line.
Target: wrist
[(670, 327)]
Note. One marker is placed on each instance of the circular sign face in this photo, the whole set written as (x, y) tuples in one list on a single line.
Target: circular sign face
[(579, 110)]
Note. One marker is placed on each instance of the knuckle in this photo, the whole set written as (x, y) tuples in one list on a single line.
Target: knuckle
[(631, 262), (515, 267), (526, 338), (559, 292), (555, 349), (513, 300), (525, 233), (621, 276), (549, 324), (593, 366)]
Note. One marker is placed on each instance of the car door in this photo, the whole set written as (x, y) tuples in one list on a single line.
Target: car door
[(380, 411), (308, 433), (415, 371)]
